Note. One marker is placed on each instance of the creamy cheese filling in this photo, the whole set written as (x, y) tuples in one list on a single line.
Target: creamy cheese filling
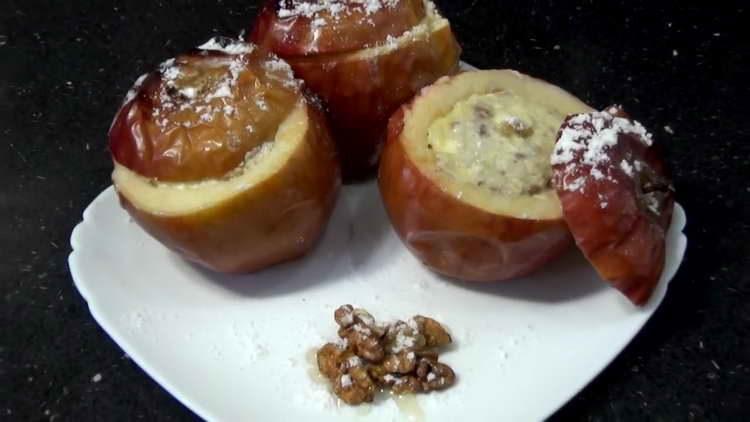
[(439, 100), (498, 141)]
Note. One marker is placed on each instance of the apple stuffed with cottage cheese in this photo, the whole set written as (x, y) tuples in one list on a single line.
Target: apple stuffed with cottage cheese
[(466, 179)]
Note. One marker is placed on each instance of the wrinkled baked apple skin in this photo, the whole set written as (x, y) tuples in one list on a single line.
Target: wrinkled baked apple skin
[(624, 242), (632, 263), (278, 220), (456, 239), (160, 132), (361, 93)]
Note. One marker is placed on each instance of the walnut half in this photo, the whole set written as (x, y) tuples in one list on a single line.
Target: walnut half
[(355, 387), (401, 356)]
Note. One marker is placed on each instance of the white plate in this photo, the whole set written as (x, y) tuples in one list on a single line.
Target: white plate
[(237, 348)]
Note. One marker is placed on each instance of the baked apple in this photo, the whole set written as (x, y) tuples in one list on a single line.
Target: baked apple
[(363, 58), (465, 174), (616, 197), (219, 156)]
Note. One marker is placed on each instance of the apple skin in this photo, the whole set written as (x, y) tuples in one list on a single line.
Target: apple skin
[(623, 241), (632, 262), (279, 219), (298, 36), (192, 153), (361, 92), (456, 239)]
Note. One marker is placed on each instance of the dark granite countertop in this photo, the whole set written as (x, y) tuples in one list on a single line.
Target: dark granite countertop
[(682, 70)]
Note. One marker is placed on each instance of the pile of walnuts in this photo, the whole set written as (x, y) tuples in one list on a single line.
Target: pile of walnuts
[(400, 356)]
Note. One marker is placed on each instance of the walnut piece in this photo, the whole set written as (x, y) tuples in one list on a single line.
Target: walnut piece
[(401, 356), (435, 375), (404, 336), (363, 342), (403, 362), (434, 333), (355, 387), (344, 316), (407, 385), (328, 360)]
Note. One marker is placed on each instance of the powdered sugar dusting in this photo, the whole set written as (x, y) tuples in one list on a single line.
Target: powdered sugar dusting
[(346, 381), (626, 167), (596, 133), (134, 90), (574, 185), (403, 342), (354, 361), (204, 106), (282, 72), (227, 45), (591, 136), (603, 203), (217, 98), (330, 12), (335, 8), (597, 174)]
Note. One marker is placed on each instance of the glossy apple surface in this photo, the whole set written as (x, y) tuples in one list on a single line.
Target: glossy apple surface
[(616, 197), (302, 27), (461, 231), (362, 83), (250, 185)]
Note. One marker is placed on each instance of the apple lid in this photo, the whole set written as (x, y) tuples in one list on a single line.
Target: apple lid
[(616, 197)]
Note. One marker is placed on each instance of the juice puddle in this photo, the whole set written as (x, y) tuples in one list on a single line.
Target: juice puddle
[(409, 407), (311, 357)]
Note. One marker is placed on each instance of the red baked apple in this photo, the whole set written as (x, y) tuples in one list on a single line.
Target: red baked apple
[(218, 155), (465, 174), (364, 59), (616, 197)]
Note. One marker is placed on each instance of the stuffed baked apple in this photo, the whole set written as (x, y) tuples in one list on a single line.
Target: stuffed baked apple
[(363, 58), (466, 179), (218, 155), (616, 197)]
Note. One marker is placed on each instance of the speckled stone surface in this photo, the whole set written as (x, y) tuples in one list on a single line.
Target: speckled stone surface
[(682, 70)]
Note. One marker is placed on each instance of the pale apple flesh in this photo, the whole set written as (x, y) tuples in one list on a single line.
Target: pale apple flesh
[(456, 227), (362, 88), (272, 211)]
